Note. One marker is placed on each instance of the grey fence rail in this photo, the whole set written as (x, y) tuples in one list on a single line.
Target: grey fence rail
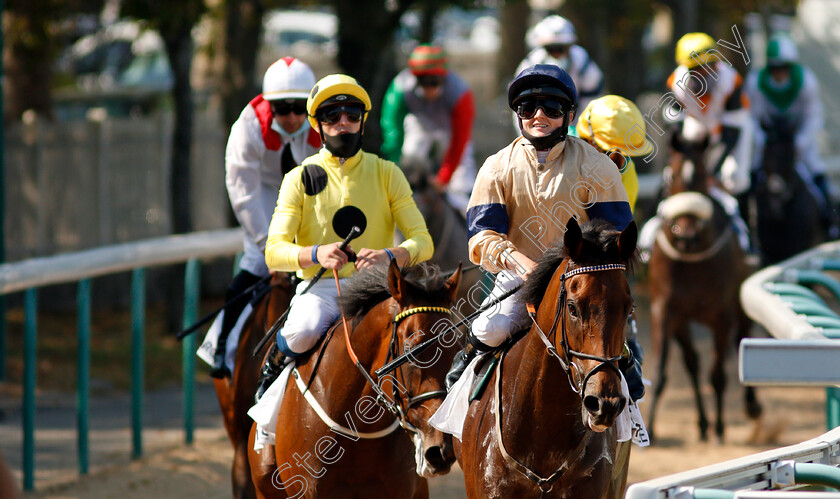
[(29, 275)]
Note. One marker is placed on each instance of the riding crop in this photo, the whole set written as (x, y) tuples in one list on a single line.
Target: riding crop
[(402, 359), (355, 231), (204, 320)]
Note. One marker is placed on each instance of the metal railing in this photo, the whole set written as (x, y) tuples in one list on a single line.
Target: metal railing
[(29, 275)]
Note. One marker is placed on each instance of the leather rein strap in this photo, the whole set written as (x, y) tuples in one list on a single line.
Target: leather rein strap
[(395, 408)]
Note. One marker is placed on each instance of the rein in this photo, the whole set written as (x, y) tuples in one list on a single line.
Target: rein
[(547, 483), (395, 408)]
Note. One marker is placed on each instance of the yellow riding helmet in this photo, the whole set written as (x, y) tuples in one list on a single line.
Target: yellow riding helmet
[(694, 43), (613, 122), (332, 87)]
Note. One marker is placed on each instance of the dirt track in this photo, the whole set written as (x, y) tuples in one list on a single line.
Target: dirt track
[(171, 470)]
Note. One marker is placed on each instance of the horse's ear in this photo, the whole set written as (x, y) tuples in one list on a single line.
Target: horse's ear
[(627, 241), (451, 285), (573, 239), (396, 283)]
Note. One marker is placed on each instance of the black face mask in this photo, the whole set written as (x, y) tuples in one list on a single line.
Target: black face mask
[(344, 145), (550, 140)]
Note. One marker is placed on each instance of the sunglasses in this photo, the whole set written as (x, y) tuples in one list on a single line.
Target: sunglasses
[(557, 49), (332, 115), (552, 108), (429, 81), (284, 107)]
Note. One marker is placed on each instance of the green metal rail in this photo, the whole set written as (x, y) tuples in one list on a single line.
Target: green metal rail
[(82, 267)]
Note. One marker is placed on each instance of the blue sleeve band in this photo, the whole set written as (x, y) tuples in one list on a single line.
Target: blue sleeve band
[(390, 255), (315, 254), (487, 217), (616, 212)]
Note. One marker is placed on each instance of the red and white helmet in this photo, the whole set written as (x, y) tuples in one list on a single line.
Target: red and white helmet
[(553, 30), (288, 78)]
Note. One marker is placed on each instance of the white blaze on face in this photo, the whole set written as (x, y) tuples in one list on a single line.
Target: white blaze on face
[(421, 465)]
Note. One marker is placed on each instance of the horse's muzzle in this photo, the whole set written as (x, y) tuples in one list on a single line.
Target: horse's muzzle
[(601, 412)]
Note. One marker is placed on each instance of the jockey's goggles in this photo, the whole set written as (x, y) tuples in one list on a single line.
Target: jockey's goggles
[(552, 108), (332, 115), (556, 49), (284, 107), (430, 80)]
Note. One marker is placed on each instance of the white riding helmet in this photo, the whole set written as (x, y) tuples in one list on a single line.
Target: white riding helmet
[(288, 78), (553, 30), (781, 51)]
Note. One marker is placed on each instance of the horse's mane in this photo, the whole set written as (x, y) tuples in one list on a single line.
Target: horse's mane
[(600, 246), (368, 288)]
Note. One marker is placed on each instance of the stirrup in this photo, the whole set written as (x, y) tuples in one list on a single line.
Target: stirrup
[(270, 371)]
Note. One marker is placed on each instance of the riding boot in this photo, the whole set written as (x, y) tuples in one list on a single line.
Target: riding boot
[(459, 364), (219, 370), (235, 302), (272, 368), (630, 363)]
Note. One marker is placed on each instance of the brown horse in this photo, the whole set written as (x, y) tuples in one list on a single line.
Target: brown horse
[(351, 449), (236, 393), (695, 273), (546, 427)]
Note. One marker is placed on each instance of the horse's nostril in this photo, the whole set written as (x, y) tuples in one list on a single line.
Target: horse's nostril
[(434, 456), (592, 404)]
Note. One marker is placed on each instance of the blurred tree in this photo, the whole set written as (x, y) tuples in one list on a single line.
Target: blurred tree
[(174, 21), (243, 30), (612, 34), (29, 31), (513, 20)]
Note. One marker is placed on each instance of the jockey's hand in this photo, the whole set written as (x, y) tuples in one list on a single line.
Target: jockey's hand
[(331, 257), (367, 258), (437, 184), (521, 264)]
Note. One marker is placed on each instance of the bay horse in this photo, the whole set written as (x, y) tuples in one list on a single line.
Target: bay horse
[(787, 211), (694, 275), (236, 392), (332, 439), (545, 428)]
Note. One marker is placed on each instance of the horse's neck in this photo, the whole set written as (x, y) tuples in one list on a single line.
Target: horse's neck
[(537, 384), (337, 373)]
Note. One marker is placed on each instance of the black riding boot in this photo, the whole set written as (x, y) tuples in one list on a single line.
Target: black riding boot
[(272, 368), (236, 302), (463, 359), (631, 364)]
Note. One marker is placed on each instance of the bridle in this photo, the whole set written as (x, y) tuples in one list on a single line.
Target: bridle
[(566, 362), (395, 404)]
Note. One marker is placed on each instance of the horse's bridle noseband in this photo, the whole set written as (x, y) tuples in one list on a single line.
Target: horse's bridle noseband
[(566, 361)]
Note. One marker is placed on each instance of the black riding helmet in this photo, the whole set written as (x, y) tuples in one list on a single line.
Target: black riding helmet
[(544, 81)]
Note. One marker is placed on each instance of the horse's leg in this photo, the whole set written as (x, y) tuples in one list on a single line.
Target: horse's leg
[(263, 468), (751, 403), (621, 468), (692, 366), (661, 346), (717, 376)]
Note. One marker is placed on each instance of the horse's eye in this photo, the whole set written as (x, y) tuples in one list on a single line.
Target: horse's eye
[(573, 311)]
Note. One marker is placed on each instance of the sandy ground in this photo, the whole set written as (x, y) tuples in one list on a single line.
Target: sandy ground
[(172, 470)]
